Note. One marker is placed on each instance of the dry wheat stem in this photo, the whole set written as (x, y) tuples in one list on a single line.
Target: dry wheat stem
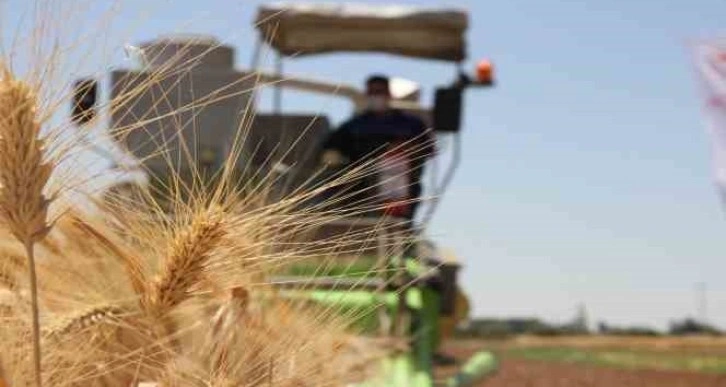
[(23, 176), (36, 315)]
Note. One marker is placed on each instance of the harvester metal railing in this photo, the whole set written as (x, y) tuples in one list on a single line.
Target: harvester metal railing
[(386, 234)]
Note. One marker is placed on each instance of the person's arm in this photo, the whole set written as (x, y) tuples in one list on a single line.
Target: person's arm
[(334, 146)]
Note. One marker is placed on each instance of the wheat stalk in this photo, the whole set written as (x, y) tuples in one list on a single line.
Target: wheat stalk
[(23, 176)]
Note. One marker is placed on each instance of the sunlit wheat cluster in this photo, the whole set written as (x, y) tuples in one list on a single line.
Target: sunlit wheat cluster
[(169, 286)]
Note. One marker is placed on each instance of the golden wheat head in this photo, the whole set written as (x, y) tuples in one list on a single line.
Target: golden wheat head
[(23, 171), (188, 252)]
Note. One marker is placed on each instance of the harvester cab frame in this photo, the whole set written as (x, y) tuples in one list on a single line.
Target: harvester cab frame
[(413, 301), (299, 29)]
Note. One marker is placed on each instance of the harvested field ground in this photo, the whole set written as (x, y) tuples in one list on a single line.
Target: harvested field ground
[(531, 373), (600, 361)]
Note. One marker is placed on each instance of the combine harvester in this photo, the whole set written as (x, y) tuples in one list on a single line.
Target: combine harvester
[(415, 306)]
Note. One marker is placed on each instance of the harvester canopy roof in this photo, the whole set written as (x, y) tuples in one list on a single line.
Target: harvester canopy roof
[(294, 28)]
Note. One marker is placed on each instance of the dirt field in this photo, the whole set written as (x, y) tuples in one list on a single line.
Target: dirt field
[(518, 371), (528, 373)]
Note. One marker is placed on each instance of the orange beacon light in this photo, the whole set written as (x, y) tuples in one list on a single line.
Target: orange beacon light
[(485, 72)]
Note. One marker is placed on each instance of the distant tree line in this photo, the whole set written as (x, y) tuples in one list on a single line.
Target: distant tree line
[(690, 326), (502, 328), (506, 327), (608, 329)]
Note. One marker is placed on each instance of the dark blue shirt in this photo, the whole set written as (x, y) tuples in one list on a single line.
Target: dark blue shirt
[(367, 135)]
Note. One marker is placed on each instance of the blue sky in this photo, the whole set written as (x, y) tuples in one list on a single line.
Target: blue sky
[(586, 175)]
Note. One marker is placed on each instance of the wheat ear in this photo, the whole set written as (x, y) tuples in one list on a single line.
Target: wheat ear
[(189, 250), (86, 319), (23, 177)]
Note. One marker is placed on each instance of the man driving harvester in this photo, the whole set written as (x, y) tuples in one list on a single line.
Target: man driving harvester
[(398, 142)]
